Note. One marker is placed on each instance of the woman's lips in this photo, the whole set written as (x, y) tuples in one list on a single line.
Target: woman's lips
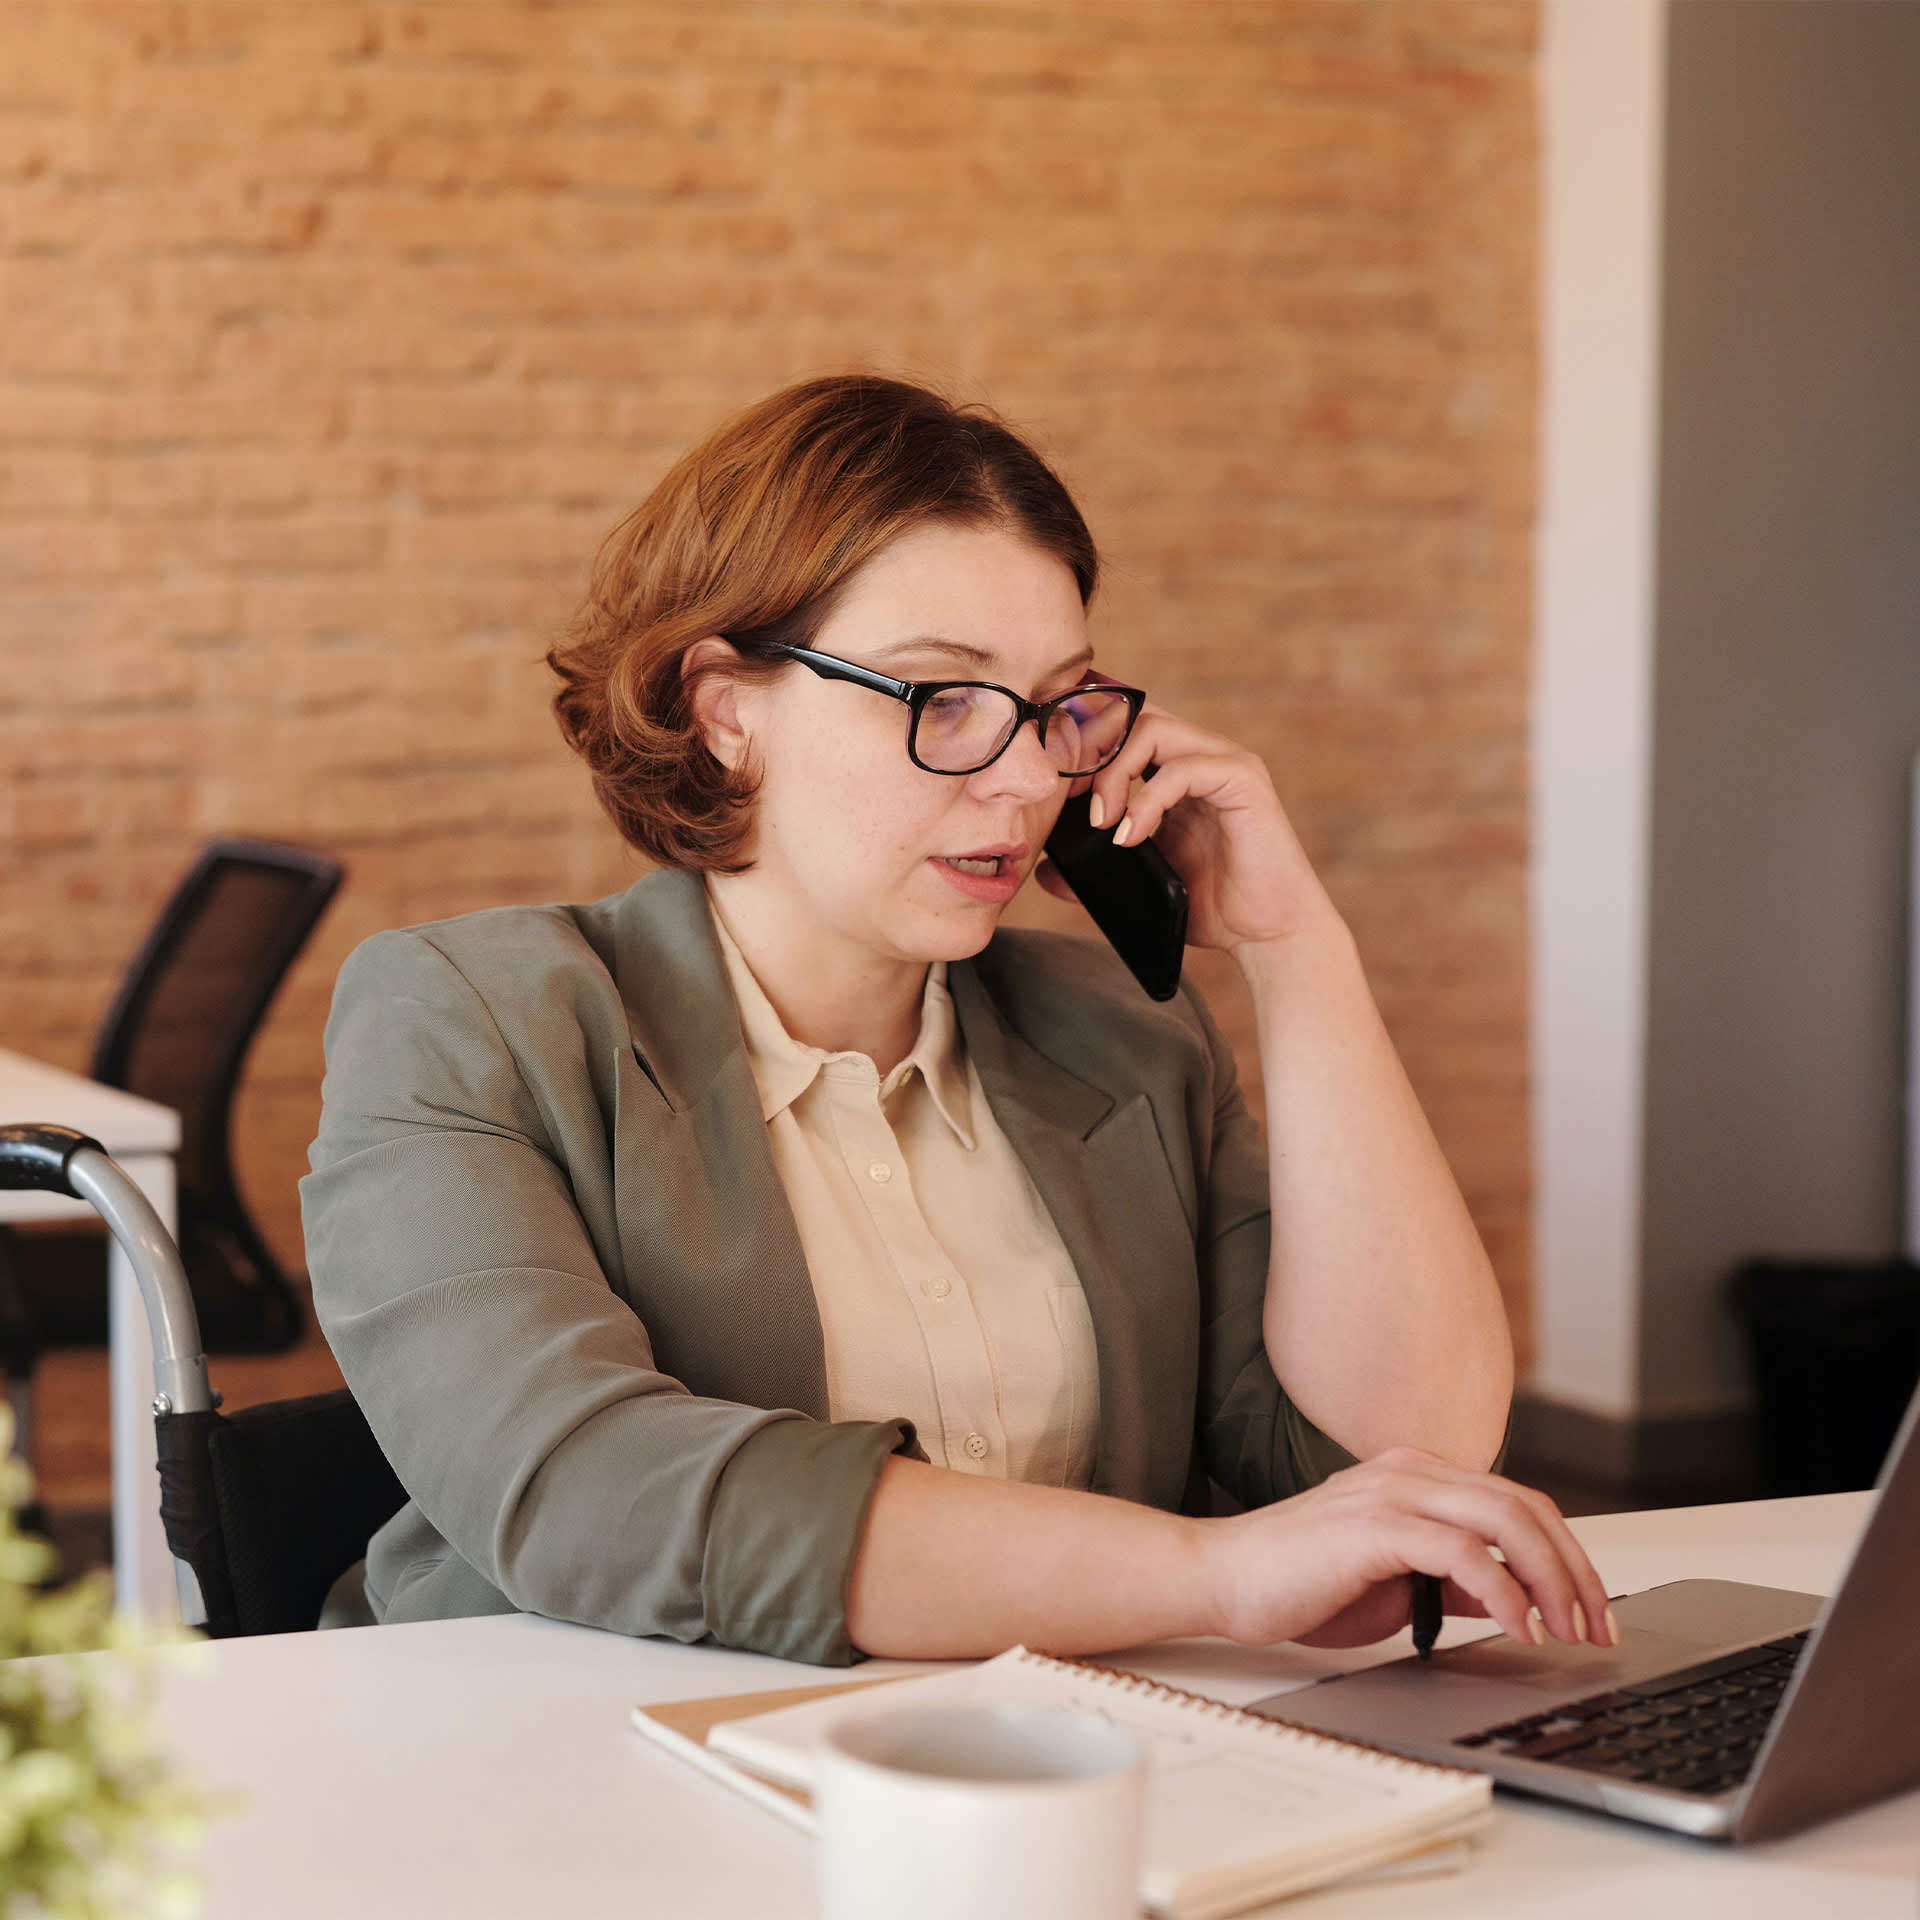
[(993, 877)]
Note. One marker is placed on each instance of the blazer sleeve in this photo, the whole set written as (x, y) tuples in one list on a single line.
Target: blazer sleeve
[(1254, 1442), (513, 1390)]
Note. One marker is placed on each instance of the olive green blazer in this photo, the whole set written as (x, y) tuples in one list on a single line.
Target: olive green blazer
[(551, 1251)]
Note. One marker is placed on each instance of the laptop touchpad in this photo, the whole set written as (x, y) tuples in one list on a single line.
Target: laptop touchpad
[(1487, 1681), (1573, 1670)]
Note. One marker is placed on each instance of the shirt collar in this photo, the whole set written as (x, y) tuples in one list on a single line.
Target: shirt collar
[(938, 1058), (784, 1068)]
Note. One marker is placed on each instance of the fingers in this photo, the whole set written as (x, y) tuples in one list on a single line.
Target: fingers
[(1589, 1616), (1378, 1614), (1157, 746), (1211, 776), (1457, 1600), (1540, 1548), (1463, 1561), (1526, 1528), (1330, 1565)]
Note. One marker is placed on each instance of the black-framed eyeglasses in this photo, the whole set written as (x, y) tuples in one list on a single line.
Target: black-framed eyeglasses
[(960, 726)]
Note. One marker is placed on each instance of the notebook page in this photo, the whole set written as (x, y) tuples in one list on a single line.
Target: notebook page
[(1226, 1788)]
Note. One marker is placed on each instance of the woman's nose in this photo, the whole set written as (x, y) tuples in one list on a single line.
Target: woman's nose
[(1024, 772)]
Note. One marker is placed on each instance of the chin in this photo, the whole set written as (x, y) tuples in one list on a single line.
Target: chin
[(950, 936), (975, 943)]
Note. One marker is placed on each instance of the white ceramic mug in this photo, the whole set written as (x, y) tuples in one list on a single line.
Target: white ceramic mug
[(979, 1813)]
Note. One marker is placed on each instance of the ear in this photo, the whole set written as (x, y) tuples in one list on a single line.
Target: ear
[(707, 666)]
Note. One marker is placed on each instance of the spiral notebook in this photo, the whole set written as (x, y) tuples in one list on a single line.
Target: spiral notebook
[(1240, 1810)]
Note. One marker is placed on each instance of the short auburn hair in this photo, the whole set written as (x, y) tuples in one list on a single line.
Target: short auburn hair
[(752, 536)]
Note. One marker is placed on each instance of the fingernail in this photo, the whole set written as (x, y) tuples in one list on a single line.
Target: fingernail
[(1123, 832), (1535, 1629), (1613, 1629), (1580, 1622), (1096, 812)]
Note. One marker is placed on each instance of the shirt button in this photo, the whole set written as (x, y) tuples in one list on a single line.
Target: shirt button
[(880, 1171), (976, 1446), (939, 1286)]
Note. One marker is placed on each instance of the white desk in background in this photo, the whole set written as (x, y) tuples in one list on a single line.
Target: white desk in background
[(485, 1768), (143, 1137)]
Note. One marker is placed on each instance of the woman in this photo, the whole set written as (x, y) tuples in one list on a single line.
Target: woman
[(779, 1254)]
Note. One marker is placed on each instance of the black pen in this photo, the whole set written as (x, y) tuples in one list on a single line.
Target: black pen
[(1427, 1613)]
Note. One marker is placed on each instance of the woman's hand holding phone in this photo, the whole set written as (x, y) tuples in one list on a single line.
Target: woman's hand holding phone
[(1211, 808)]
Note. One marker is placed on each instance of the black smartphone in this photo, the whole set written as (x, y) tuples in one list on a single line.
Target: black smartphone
[(1135, 897)]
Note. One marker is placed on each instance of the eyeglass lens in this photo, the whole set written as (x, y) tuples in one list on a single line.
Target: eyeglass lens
[(959, 729)]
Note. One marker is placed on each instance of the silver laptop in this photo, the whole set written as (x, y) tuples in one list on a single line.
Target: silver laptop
[(1727, 1710)]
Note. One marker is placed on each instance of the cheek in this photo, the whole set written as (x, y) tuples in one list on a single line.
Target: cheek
[(849, 801)]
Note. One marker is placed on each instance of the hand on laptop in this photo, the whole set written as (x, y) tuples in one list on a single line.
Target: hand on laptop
[(1329, 1567)]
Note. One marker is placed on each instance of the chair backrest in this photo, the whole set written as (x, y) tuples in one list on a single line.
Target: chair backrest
[(195, 994)]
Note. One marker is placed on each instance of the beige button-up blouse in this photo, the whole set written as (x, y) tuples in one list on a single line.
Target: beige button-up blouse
[(945, 1293)]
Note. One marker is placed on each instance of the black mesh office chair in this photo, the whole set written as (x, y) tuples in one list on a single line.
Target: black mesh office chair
[(264, 1508), (178, 1032)]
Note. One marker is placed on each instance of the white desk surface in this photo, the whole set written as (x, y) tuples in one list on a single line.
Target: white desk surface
[(121, 1122), (127, 1126), (486, 1768)]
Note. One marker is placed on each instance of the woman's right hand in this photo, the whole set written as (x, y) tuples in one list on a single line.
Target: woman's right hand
[(1330, 1566)]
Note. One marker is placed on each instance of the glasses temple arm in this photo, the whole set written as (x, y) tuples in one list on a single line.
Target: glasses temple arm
[(828, 668)]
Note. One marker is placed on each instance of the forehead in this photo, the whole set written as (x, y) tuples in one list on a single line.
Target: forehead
[(959, 600)]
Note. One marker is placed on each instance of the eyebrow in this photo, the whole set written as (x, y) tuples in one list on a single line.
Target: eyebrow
[(977, 657)]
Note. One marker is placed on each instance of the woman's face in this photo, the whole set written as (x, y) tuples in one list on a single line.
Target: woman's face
[(852, 841)]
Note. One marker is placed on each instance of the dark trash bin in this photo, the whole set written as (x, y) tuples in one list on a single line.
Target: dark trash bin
[(1836, 1355)]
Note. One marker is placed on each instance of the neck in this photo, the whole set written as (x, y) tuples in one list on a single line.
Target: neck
[(829, 993)]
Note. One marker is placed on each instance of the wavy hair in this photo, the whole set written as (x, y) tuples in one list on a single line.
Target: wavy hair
[(752, 536)]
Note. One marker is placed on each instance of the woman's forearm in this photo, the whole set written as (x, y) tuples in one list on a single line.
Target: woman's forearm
[(952, 1565), (1383, 1318)]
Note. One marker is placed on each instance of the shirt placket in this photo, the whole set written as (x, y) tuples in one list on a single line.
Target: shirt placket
[(972, 1436)]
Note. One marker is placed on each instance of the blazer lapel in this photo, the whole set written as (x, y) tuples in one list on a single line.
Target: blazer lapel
[(713, 1258), (714, 1262), (1096, 1161)]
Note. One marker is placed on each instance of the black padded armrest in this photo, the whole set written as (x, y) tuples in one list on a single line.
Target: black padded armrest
[(38, 1157)]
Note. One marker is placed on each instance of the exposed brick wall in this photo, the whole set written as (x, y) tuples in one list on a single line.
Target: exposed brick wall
[(336, 334)]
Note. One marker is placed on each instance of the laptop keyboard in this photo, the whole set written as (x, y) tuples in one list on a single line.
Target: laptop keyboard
[(1695, 1731)]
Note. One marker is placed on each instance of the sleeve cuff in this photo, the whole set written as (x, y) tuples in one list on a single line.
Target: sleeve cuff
[(784, 1526)]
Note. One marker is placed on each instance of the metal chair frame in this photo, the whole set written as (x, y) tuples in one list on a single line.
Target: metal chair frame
[(194, 1506)]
